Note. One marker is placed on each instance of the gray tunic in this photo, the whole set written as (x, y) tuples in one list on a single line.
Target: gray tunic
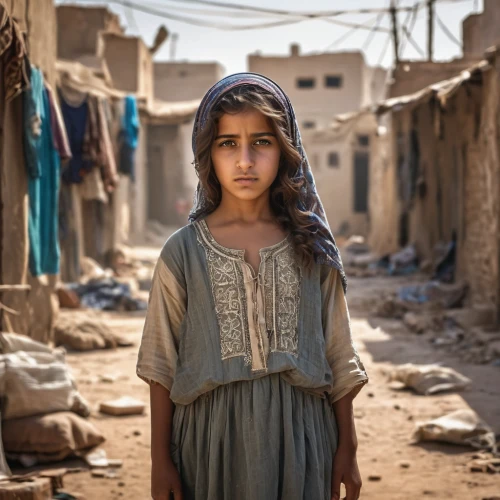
[(253, 363)]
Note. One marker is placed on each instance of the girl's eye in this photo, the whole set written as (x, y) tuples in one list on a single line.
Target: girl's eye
[(227, 143), (262, 142)]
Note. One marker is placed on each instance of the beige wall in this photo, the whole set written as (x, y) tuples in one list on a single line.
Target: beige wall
[(184, 81), (130, 64), (145, 69), (321, 103), (457, 189), (480, 31), (336, 185), (37, 307), (79, 28), (412, 76)]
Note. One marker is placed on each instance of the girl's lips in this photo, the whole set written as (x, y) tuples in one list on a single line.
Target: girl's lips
[(245, 180)]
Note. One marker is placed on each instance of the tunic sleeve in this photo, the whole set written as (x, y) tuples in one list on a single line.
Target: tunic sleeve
[(158, 352), (347, 368)]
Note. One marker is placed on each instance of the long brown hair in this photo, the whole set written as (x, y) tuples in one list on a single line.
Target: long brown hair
[(285, 190)]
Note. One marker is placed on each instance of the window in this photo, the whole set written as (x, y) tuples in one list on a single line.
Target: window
[(306, 83), (363, 140), (309, 124), (333, 81), (333, 160), (361, 165)]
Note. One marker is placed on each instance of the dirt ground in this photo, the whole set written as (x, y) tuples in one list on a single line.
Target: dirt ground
[(385, 418)]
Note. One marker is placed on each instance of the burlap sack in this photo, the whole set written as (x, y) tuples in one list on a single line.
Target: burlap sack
[(50, 437)]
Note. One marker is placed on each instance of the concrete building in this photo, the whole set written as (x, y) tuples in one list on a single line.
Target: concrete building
[(480, 31), (79, 29), (185, 81), (130, 64), (320, 87)]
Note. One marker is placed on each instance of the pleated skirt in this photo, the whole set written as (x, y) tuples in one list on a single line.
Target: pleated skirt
[(255, 440)]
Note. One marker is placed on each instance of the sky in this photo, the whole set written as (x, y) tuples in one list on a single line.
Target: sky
[(231, 48)]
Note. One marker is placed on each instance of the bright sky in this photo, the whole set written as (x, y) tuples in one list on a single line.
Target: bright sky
[(231, 47)]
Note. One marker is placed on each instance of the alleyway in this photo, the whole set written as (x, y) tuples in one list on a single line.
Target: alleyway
[(399, 470)]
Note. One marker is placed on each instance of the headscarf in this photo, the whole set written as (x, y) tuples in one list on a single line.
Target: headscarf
[(326, 251)]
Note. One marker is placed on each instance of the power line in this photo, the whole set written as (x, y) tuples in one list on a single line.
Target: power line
[(345, 36), (310, 15), (384, 50), (206, 12), (229, 27), (197, 22), (447, 32), (411, 18), (373, 31)]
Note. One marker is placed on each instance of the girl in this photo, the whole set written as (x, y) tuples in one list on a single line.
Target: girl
[(247, 345)]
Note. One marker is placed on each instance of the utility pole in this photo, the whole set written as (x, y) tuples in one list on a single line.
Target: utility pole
[(395, 34), (430, 29)]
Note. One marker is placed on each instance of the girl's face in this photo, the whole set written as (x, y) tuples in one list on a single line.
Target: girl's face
[(245, 154)]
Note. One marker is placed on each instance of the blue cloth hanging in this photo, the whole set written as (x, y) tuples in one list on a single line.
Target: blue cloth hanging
[(43, 165)]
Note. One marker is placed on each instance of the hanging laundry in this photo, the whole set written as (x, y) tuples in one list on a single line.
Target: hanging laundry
[(129, 137), (16, 70), (92, 145), (32, 120), (109, 166), (75, 114), (43, 182), (61, 142)]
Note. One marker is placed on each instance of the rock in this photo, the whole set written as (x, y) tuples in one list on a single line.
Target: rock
[(404, 464), (371, 395), (137, 433), (374, 477), (397, 407), (416, 323), (121, 484), (123, 406), (472, 317)]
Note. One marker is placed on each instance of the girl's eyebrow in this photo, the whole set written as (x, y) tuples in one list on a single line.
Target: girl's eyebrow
[(236, 136)]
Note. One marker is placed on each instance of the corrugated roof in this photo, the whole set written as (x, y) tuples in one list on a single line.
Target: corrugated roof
[(442, 90)]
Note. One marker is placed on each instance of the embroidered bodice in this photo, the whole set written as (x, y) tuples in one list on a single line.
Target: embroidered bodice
[(212, 320)]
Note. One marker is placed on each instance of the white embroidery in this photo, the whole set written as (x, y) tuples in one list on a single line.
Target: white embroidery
[(281, 280)]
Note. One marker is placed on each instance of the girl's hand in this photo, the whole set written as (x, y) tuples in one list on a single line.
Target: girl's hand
[(165, 480), (345, 470)]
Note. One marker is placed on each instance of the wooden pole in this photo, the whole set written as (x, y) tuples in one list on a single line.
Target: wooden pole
[(430, 29), (395, 34)]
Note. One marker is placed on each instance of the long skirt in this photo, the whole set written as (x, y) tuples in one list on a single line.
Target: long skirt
[(255, 440)]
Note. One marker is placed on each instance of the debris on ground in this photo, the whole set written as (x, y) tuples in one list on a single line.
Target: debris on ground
[(462, 427), (440, 295), (485, 463), (98, 459), (403, 262), (86, 334), (422, 323), (429, 379), (123, 406), (107, 294)]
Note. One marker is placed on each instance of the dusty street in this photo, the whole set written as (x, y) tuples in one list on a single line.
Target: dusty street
[(398, 468)]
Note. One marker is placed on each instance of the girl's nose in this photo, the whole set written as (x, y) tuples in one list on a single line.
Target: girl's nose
[(246, 159)]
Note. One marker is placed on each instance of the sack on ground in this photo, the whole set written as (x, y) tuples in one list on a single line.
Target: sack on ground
[(50, 437)]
